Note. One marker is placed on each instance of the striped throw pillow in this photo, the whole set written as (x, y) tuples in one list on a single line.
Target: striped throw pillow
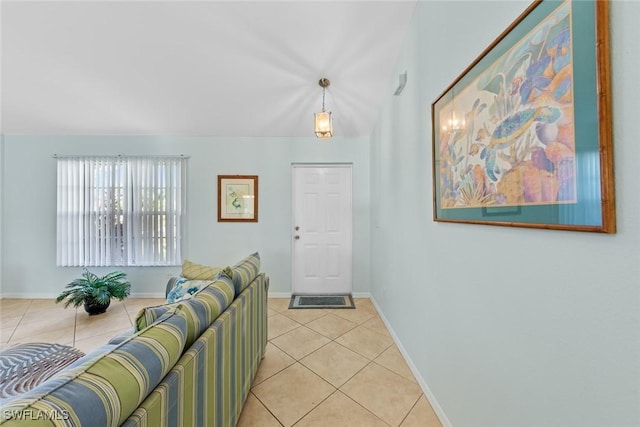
[(194, 271)]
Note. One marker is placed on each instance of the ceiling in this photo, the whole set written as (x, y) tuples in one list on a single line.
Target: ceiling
[(197, 68)]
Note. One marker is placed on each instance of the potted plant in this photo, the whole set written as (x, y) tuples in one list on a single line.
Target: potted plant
[(96, 292)]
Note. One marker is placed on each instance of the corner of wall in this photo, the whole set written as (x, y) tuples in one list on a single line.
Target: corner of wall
[(442, 416), (2, 192)]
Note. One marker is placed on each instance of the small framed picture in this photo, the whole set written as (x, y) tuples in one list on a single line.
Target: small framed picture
[(237, 198)]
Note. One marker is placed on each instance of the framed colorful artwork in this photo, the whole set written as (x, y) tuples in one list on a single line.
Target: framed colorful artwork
[(237, 198), (523, 136)]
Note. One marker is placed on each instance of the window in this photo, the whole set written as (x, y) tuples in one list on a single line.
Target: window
[(120, 211)]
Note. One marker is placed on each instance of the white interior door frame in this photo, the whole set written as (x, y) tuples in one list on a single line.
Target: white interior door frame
[(322, 228)]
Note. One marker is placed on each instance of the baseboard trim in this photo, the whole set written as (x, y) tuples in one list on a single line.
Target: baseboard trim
[(152, 295), (279, 294), (288, 295), (421, 382), (148, 295), (38, 295), (361, 295)]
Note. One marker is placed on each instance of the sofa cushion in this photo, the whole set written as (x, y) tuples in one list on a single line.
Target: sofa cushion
[(148, 315), (205, 307), (245, 271), (106, 389), (185, 288), (194, 271), (201, 309)]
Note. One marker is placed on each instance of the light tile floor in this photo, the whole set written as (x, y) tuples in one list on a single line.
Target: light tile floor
[(42, 320), (321, 368)]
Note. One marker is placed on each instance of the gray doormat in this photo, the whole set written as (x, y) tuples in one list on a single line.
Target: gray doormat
[(321, 301)]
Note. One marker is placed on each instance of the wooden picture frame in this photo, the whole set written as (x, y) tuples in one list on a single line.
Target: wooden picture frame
[(525, 131), (237, 198)]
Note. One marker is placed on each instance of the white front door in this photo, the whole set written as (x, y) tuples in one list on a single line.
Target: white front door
[(322, 223)]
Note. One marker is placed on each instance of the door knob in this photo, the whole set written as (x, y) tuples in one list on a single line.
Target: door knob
[(297, 237), (297, 228)]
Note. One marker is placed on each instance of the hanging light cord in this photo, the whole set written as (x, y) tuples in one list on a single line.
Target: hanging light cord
[(324, 89), (323, 82)]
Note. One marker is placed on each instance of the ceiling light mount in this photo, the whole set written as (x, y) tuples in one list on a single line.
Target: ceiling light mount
[(323, 122)]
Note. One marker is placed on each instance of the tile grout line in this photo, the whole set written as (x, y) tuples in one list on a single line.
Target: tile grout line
[(75, 326), (266, 408), (19, 322), (412, 407), (333, 340), (363, 407)]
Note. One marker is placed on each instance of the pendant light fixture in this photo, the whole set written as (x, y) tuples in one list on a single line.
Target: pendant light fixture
[(323, 124)]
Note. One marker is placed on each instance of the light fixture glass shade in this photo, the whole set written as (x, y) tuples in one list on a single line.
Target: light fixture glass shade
[(323, 124)]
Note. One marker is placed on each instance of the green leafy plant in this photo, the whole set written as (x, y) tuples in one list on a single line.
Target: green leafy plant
[(93, 289)]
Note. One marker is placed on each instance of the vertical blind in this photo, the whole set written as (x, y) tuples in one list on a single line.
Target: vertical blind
[(120, 211)]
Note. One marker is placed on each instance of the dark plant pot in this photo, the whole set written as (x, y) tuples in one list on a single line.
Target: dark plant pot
[(93, 307)]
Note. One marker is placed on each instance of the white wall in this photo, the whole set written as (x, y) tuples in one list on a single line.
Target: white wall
[(1, 197), (506, 326), (29, 200)]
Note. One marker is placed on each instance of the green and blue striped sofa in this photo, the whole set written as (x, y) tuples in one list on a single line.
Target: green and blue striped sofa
[(190, 363)]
